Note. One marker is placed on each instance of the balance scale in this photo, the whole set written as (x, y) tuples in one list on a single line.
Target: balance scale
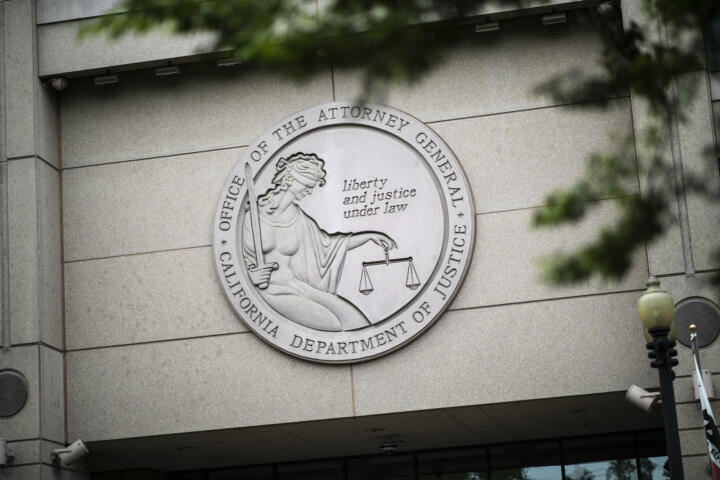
[(411, 278)]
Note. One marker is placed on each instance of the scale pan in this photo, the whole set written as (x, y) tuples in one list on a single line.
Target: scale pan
[(411, 278), (366, 286)]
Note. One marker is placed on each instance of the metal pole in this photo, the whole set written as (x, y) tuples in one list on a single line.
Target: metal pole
[(662, 347), (672, 437)]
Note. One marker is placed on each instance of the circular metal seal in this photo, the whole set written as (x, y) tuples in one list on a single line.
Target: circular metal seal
[(344, 232), (13, 392), (701, 312)]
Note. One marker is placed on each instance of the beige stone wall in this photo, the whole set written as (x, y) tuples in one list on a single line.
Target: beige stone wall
[(146, 325), (109, 302)]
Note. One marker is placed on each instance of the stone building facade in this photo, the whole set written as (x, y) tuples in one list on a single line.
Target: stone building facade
[(112, 311)]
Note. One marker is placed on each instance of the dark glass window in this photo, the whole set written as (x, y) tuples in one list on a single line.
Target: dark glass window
[(188, 476), (324, 470), (526, 461), (609, 457), (385, 467), (244, 473), (651, 453), (626, 456), (462, 464)]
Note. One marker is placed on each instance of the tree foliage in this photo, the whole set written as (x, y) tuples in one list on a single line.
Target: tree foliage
[(658, 64), (623, 469), (579, 473), (401, 40), (389, 40)]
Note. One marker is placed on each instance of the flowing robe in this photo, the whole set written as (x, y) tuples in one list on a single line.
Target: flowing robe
[(310, 263)]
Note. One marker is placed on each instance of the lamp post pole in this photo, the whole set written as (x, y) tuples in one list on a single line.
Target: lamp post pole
[(657, 312), (661, 349)]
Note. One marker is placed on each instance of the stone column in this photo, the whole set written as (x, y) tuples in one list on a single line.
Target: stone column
[(31, 307)]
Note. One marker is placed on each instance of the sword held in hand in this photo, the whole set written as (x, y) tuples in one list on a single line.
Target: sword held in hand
[(255, 225)]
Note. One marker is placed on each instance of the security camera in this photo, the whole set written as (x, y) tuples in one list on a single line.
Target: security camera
[(6, 455), (641, 398), (58, 83), (70, 454), (607, 8)]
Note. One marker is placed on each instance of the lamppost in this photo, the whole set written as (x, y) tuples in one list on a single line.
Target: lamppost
[(657, 312)]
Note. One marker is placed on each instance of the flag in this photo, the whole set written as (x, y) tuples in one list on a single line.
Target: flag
[(711, 432)]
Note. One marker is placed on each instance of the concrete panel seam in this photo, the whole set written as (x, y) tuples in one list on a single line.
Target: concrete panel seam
[(62, 270), (50, 347), (4, 260), (33, 440), (69, 20), (352, 391), (708, 270), (534, 207), (569, 297), (37, 344), (20, 157), (38, 251), (530, 109), (157, 157), (150, 342), (48, 163), (40, 391), (37, 157), (637, 171), (18, 440), (135, 254)]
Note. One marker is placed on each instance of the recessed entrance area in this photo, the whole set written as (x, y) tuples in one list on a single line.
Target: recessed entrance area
[(621, 456), (559, 433)]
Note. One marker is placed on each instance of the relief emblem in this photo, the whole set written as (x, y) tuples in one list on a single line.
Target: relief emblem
[(344, 232)]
